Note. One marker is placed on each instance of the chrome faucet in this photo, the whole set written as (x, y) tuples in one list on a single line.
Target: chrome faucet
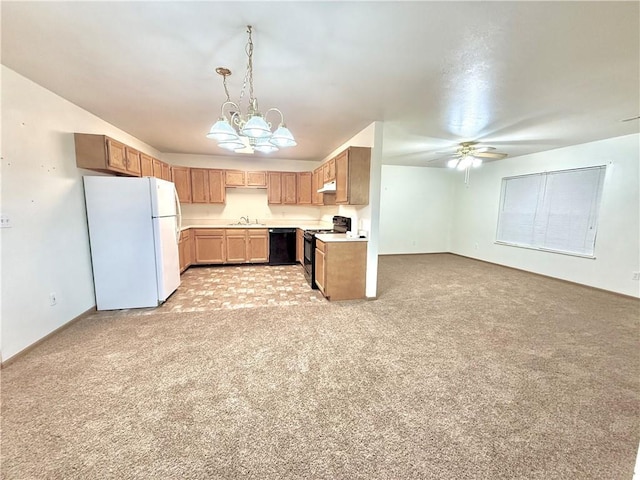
[(245, 220)]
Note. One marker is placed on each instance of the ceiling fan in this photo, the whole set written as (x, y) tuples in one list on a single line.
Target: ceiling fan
[(471, 154)]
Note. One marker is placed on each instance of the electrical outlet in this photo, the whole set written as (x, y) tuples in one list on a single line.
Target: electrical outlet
[(635, 276), (53, 299), (5, 221), (476, 246)]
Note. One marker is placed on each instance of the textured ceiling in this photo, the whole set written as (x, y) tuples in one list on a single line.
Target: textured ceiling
[(521, 76)]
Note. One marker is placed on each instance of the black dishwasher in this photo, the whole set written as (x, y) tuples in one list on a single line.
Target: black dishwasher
[(282, 246)]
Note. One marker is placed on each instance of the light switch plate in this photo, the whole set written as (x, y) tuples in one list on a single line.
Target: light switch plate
[(5, 222)]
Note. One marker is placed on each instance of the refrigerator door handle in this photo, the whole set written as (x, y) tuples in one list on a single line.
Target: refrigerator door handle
[(179, 210)]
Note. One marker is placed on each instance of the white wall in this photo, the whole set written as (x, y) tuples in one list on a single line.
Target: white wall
[(618, 238), (47, 248), (416, 208), (367, 217), (248, 201)]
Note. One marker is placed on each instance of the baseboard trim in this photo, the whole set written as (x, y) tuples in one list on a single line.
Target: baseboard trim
[(24, 351), (547, 276)]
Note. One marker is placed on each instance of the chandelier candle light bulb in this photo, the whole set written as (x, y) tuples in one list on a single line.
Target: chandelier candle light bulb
[(251, 132)]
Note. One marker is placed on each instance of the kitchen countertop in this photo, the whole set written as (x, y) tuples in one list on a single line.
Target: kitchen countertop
[(252, 225), (338, 237)]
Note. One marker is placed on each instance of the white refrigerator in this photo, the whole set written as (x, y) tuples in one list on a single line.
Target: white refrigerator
[(134, 228)]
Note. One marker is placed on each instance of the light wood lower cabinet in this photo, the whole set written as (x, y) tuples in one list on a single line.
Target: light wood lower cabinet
[(236, 242), (341, 269), (231, 245), (185, 250), (209, 246), (257, 245)]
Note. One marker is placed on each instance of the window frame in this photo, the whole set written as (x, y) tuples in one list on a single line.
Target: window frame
[(541, 201)]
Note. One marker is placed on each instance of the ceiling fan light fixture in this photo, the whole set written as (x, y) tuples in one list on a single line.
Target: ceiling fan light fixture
[(465, 162), (250, 132), (476, 162), (453, 163)]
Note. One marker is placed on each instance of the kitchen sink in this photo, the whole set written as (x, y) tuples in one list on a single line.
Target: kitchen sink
[(247, 224)]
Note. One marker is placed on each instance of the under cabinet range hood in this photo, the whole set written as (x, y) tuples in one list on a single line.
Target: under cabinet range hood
[(328, 187)]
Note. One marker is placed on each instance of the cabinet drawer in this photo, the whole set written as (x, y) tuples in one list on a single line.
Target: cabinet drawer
[(320, 245), (209, 231)]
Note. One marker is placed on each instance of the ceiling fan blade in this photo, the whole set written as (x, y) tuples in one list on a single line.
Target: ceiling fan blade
[(493, 155), (482, 149)]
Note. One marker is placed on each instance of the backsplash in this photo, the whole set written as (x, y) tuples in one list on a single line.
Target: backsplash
[(242, 202)]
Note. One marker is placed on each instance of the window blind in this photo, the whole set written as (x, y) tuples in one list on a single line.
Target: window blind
[(556, 211)]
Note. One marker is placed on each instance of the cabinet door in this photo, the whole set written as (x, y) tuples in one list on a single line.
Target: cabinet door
[(182, 179), (199, 185), (342, 178), (133, 161), (166, 172), (304, 188), (236, 245), (146, 165), (289, 188), (257, 245), (157, 168), (274, 188), (257, 179), (320, 270), (316, 183), (216, 186), (331, 170), (181, 254), (188, 251), (116, 157), (234, 178), (209, 246)]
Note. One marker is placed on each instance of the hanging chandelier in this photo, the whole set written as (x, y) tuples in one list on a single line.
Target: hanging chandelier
[(249, 132)]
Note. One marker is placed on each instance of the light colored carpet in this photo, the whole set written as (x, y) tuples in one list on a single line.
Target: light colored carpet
[(459, 370)]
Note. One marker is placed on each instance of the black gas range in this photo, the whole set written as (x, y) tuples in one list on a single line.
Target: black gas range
[(340, 225)]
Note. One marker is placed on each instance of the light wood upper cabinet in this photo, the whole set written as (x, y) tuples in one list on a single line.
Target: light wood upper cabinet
[(274, 188), (182, 179), (166, 172), (234, 178), (199, 185), (161, 170), (236, 245), (146, 165), (329, 171), (116, 155), (133, 160), (257, 245), (207, 185), (289, 188), (341, 269), (238, 178), (256, 179), (104, 154), (316, 183), (217, 192), (352, 176), (304, 188), (209, 245)]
